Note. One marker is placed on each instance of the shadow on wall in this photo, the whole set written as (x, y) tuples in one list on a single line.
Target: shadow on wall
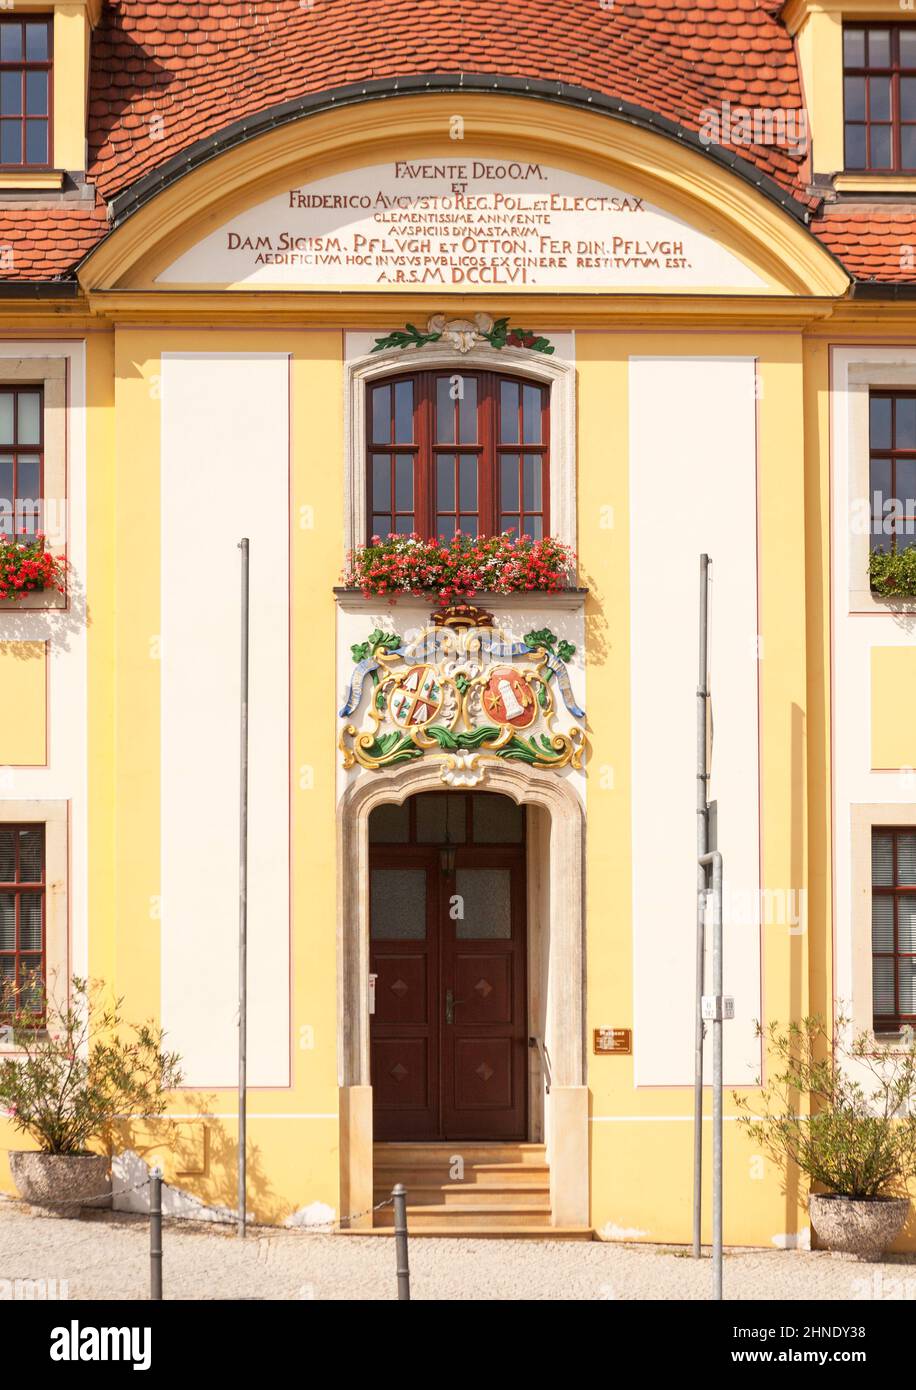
[(596, 627), (799, 1001), (199, 1158), (21, 623)]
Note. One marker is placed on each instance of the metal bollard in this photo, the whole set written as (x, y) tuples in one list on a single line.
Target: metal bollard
[(155, 1233), (399, 1193)]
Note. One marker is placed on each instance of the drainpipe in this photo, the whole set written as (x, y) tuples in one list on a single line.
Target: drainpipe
[(716, 1008), (702, 847)]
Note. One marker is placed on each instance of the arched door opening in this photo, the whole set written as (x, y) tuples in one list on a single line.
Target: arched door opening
[(552, 849), (448, 959)]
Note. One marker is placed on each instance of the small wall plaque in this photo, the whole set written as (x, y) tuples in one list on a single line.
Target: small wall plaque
[(614, 1040)]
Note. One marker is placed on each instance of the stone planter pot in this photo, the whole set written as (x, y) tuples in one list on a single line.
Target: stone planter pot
[(861, 1229), (63, 1184)]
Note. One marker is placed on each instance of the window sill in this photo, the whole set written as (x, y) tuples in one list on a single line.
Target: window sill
[(40, 179), (562, 600), (889, 1042), (45, 600), (9, 1049), (874, 183)]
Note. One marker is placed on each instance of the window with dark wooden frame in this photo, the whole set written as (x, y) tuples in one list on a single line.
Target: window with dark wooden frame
[(23, 942), (879, 97), (892, 469), (25, 92), (21, 460), (447, 819), (893, 930), (456, 452)]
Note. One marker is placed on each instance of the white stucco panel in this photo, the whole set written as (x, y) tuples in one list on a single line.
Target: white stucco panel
[(693, 488), (225, 441), (448, 222)]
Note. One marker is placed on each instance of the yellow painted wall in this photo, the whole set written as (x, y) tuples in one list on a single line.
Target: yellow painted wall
[(641, 1138), (23, 704), (71, 55), (293, 1133), (893, 693)]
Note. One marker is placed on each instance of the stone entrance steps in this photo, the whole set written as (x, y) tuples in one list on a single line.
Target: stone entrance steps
[(469, 1190)]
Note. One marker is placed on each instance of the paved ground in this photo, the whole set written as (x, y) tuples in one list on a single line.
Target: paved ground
[(107, 1257)]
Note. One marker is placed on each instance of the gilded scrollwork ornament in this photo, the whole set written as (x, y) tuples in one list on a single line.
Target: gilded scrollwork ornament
[(463, 691)]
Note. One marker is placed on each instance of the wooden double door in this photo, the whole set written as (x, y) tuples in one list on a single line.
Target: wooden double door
[(448, 953)]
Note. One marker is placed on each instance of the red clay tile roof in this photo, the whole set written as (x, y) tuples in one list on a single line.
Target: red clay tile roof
[(873, 243), (44, 243), (166, 75)]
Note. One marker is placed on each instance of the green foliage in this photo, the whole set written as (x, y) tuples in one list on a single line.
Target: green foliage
[(446, 738), (859, 1139), (376, 641), (893, 573), (401, 338), (543, 637), (534, 750), (82, 1070), (499, 336), (393, 748)]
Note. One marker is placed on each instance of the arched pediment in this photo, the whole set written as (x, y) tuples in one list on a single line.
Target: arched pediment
[(477, 193)]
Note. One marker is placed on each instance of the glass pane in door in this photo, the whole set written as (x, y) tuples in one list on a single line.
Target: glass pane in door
[(397, 905), (486, 904)]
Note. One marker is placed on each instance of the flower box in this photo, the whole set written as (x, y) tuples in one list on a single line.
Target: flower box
[(461, 567), (26, 567)]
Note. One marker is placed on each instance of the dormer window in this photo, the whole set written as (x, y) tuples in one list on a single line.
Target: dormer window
[(25, 93), (879, 97)]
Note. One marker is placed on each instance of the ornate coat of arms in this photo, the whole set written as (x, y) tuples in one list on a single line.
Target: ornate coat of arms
[(465, 691)]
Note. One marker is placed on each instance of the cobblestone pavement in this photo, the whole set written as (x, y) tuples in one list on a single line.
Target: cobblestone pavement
[(107, 1257)]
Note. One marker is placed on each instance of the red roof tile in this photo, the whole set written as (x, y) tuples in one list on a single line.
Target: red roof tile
[(166, 75), (44, 243), (873, 243), (206, 65)]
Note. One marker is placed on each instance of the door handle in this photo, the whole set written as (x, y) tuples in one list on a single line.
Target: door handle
[(450, 1002)]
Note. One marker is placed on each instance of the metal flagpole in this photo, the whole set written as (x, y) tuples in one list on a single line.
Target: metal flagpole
[(243, 899), (702, 847), (716, 1007)]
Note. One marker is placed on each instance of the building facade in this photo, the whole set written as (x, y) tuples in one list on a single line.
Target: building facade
[(640, 280)]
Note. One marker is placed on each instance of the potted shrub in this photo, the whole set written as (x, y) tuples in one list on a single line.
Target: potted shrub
[(460, 567), (859, 1139), (78, 1068)]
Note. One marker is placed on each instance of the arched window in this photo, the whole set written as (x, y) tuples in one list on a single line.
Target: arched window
[(456, 451)]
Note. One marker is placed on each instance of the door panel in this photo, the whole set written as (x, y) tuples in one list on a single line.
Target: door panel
[(483, 987), (402, 993), (403, 1083), (484, 1049), (483, 1076), (448, 946), (404, 956)]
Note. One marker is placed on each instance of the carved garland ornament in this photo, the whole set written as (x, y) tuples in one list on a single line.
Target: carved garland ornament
[(462, 689), (464, 334)]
